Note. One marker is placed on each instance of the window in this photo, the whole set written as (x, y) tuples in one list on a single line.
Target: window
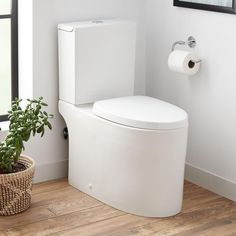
[(8, 55)]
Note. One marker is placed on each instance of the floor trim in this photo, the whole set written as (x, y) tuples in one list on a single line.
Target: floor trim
[(210, 181), (193, 174), (56, 170)]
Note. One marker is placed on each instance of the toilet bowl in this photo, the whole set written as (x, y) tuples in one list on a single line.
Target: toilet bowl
[(126, 151), (131, 162)]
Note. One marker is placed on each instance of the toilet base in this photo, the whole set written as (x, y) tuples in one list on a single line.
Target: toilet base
[(138, 171)]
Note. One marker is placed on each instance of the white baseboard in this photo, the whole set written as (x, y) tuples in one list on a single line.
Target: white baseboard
[(193, 174), (211, 181), (51, 171)]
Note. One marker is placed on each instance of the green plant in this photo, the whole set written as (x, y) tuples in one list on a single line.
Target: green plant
[(23, 122)]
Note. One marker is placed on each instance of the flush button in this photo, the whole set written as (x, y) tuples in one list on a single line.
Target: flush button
[(97, 21)]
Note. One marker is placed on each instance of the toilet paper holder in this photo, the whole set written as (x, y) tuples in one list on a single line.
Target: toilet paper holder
[(191, 42)]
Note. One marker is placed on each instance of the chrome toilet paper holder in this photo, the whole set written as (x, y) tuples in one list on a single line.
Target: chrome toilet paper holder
[(191, 43)]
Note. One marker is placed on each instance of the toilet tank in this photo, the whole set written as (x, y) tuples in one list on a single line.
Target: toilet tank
[(96, 60)]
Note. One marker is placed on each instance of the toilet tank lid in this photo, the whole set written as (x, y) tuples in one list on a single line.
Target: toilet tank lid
[(142, 112), (71, 26)]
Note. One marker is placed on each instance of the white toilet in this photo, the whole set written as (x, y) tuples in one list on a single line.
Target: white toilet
[(126, 151)]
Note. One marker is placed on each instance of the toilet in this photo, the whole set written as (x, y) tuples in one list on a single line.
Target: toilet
[(124, 150)]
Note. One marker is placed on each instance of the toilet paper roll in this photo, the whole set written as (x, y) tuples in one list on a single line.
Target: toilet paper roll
[(183, 62)]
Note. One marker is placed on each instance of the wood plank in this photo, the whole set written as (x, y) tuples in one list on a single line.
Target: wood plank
[(50, 186), (109, 227), (64, 201), (66, 222), (47, 197), (201, 197), (66, 206), (217, 227), (187, 222), (195, 195), (31, 215)]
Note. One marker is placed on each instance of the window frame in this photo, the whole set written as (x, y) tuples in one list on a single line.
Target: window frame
[(207, 7), (14, 52)]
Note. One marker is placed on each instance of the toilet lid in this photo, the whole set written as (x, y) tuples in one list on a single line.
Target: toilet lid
[(142, 112)]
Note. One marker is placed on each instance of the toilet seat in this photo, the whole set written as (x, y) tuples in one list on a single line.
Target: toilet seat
[(141, 112)]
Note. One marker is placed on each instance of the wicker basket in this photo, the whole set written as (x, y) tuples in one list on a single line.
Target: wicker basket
[(16, 188)]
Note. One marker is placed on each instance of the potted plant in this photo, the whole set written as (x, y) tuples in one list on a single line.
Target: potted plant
[(17, 170)]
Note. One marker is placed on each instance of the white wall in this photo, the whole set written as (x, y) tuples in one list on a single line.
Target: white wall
[(209, 97), (25, 19), (50, 152)]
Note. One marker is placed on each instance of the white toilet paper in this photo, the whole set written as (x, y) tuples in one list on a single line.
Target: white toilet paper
[(183, 62)]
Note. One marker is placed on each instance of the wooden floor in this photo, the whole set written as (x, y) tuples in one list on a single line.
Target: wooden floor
[(59, 209)]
